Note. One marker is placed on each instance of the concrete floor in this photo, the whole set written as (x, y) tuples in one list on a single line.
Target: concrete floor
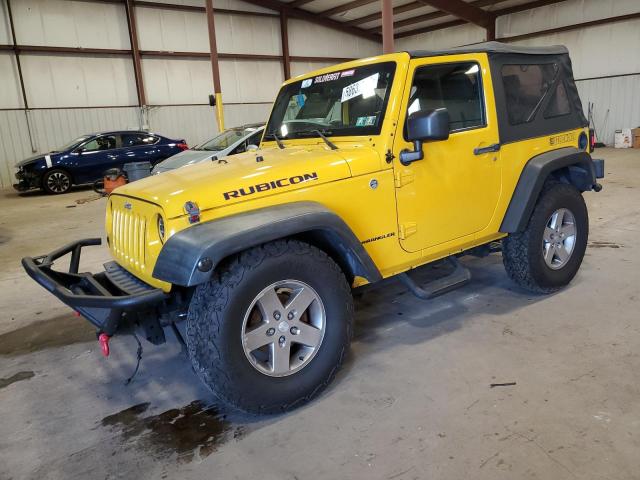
[(412, 402)]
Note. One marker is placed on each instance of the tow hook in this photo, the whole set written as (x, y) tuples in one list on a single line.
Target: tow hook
[(103, 340)]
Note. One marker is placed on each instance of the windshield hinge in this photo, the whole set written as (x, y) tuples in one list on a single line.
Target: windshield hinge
[(389, 156), (408, 229), (403, 177)]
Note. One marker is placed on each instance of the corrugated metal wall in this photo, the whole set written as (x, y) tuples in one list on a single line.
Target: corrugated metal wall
[(177, 88), (600, 51)]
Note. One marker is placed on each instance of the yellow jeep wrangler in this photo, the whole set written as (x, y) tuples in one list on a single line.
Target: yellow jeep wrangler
[(367, 170)]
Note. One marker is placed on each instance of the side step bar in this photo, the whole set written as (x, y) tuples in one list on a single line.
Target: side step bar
[(459, 277)]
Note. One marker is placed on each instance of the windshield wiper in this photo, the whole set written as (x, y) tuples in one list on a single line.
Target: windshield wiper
[(277, 139), (329, 143)]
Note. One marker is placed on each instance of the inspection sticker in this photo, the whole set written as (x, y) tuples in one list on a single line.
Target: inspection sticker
[(306, 83), (348, 73), (365, 121), (365, 87)]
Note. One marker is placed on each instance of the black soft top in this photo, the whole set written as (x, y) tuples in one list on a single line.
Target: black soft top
[(510, 94), (491, 47)]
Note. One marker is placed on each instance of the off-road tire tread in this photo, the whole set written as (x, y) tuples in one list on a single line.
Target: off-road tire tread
[(213, 297), (515, 251)]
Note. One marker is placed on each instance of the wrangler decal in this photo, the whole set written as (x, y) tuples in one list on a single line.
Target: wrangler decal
[(263, 187), (380, 237)]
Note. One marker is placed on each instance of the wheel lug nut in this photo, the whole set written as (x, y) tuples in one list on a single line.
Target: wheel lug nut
[(276, 315), (291, 315), (282, 340), (271, 331), (295, 330)]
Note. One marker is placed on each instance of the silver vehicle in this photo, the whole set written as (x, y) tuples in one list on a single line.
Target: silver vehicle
[(230, 142)]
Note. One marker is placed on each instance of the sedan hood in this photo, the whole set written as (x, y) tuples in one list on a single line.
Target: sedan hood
[(29, 160), (188, 157), (247, 176)]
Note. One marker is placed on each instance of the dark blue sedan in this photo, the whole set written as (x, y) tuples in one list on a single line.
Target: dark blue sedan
[(85, 159)]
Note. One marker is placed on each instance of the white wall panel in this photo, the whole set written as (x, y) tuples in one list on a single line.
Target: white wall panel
[(617, 104), (78, 81), (177, 80), (246, 34), (309, 39), (301, 68), (569, 12), (445, 38), (172, 30), (14, 144), (65, 23), (5, 28), (250, 81), (10, 94), (239, 5), (598, 51)]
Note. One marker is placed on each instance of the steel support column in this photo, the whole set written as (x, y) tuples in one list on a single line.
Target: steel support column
[(284, 35), (215, 67), (387, 26), (135, 51)]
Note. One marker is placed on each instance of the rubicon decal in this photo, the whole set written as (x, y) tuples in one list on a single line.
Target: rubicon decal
[(263, 187)]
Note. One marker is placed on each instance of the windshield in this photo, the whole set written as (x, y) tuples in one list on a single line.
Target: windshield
[(345, 102), (73, 144), (225, 139)]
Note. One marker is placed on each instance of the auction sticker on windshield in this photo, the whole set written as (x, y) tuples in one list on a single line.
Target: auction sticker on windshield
[(365, 87)]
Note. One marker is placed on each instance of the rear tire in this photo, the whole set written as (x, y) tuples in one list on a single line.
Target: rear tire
[(242, 320), (548, 253), (56, 182)]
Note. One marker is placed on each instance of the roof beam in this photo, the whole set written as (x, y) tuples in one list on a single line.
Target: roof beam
[(496, 13), (314, 18), (435, 15), (378, 15), (299, 3), (345, 7), (526, 6), (463, 10)]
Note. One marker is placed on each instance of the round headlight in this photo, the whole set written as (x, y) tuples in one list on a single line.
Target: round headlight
[(161, 228)]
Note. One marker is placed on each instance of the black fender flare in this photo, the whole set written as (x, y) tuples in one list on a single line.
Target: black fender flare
[(189, 257), (570, 166)]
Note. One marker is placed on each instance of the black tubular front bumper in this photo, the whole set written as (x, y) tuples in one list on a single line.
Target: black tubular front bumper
[(103, 298)]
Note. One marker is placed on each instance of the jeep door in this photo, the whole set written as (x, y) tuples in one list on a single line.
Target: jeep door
[(452, 193)]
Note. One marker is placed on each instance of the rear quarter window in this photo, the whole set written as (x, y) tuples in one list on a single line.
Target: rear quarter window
[(526, 87)]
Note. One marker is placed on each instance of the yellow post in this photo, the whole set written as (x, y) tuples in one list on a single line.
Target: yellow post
[(219, 112)]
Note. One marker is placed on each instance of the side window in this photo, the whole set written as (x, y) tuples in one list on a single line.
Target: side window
[(559, 103), (454, 86), (255, 139), (525, 86), (104, 142), (138, 139)]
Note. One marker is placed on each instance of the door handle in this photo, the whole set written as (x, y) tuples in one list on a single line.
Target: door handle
[(491, 148)]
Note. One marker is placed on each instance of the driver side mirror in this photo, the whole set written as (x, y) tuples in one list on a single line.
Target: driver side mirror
[(79, 150), (424, 126)]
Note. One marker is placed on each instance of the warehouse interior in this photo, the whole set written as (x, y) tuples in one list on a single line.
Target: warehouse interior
[(487, 381)]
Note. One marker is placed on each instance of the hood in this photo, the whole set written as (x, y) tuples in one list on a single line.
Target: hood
[(35, 158), (248, 176), (181, 159)]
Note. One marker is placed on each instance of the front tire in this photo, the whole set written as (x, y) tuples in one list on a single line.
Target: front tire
[(56, 182), (270, 330), (548, 253)]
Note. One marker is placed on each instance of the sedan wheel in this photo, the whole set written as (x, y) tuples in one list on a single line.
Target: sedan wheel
[(56, 182)]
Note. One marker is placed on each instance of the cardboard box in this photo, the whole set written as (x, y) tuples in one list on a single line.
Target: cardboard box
[(635, 137), (623, 138)]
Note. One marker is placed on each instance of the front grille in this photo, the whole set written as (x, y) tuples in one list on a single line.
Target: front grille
[(129, 238)]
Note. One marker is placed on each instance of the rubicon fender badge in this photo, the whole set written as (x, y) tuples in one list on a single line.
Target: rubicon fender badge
[(193, 211)]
